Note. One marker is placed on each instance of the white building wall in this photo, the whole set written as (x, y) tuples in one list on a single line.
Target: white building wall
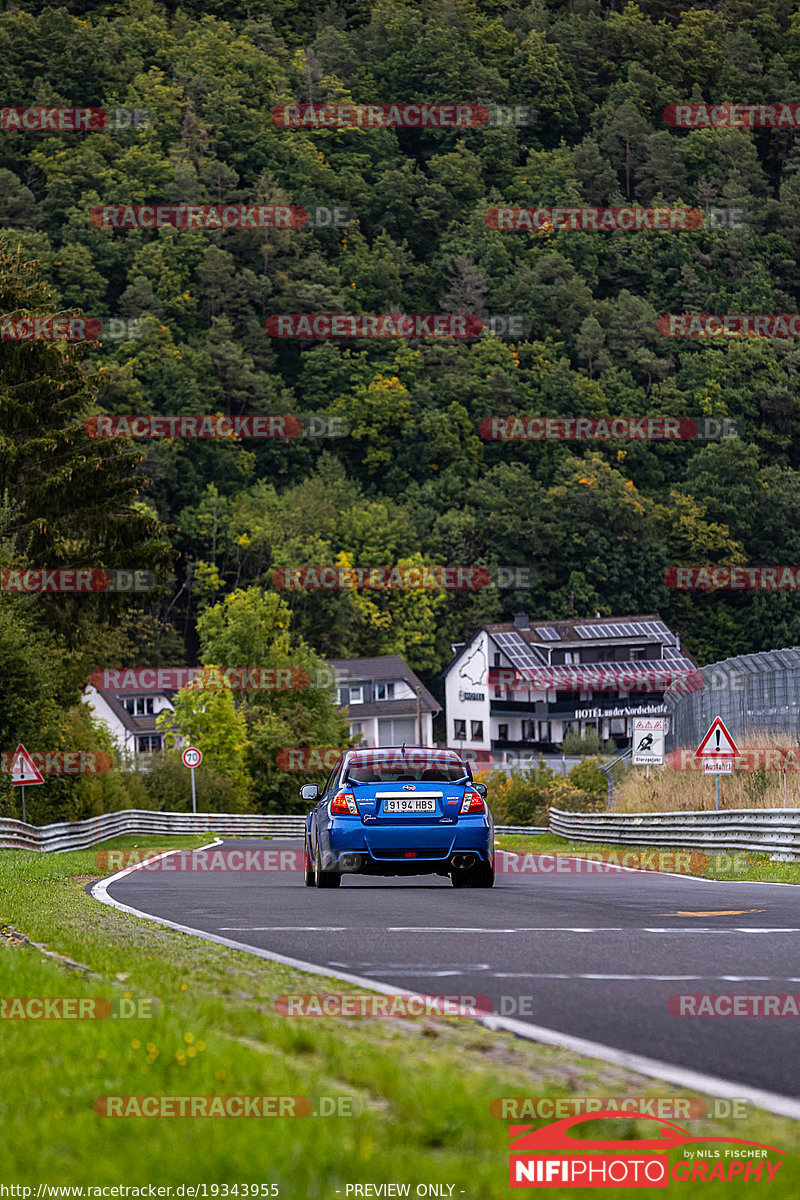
[(467, 695), (110, 719)]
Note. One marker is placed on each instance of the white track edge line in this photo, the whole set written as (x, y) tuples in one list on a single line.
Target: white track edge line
[(611, 867), (711, 1085)]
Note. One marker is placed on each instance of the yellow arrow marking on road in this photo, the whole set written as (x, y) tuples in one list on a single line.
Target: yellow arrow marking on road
[(719, 912)]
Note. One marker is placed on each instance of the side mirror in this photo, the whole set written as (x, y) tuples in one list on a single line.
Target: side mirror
[(309, 791), (481, 789)]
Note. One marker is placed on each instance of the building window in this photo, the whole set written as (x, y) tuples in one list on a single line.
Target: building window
[(148, 745), (496, 659), (502, 733), (357, 694), (572, 656), (144, 705), (384, 691), (395, 732), (529, 731), (476, 731), (460, 731)]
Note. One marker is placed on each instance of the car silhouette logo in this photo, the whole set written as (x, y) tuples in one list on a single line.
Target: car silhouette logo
[(409, 787), (555, 1137)]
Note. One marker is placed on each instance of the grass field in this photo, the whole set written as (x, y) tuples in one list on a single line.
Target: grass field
[(734, 865), (421, 1088)]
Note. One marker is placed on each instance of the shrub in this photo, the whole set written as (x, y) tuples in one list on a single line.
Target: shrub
[(590, 743), (588, 777), (519, 798), (168, 786)]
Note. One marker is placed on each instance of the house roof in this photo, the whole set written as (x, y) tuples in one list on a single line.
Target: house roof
[(146, 723), (565, 633), (567, 629), (386, 667), (391, 708)]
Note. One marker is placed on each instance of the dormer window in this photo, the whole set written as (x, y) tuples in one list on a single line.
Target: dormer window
[(384, 691)]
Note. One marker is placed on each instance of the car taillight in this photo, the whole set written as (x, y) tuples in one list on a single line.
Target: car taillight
[(472, 803), (344, 802)]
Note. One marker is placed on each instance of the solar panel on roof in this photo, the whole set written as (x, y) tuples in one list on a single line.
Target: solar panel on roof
[(548, 635), (625, 629), (518, 651)]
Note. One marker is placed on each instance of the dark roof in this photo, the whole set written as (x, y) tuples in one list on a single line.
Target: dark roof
[(392, 708), (386, 667), (566, 633), (566, 628), (146, 723)]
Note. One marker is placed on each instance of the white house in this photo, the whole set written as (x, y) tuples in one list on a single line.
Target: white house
[(492, 707), (384, 701), (130, 717)]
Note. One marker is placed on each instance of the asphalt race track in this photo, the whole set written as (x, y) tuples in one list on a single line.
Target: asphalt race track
[(596, 956)]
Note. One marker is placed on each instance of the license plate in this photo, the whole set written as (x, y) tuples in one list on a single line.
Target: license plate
[(409, 804)]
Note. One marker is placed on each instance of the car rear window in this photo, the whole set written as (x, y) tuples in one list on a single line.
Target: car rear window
[(394, 767)]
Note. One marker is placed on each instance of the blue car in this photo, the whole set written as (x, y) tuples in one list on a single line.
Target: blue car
[(399, 811)]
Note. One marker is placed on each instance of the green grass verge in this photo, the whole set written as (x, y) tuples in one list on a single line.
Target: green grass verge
[(424, 1085), (731, 865)]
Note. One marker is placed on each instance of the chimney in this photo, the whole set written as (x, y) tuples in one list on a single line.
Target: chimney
[(521, 621)]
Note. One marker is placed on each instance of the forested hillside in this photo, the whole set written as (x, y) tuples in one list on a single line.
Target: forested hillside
[(413, 481)]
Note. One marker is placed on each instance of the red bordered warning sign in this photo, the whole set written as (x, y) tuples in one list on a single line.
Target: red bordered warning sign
[(24, 769), (717, 743)]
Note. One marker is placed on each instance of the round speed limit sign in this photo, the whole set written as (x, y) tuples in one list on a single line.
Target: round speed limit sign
[(192, 757)]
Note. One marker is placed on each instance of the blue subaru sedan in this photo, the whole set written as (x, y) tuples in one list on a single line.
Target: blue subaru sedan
[(399, 811)]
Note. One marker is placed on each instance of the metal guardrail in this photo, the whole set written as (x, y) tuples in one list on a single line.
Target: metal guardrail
[(773, 831), (507, 829), (79, 835)]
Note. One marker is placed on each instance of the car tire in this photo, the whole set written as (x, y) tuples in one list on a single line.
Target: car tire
[(308, 864), (324, 879)]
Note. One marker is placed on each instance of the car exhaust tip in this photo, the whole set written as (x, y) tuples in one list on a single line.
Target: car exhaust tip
[(461, 862), (350, 862)]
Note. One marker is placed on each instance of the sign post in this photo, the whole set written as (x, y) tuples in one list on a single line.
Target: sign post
[(648, 742), (24, 770), (718, 750), (192, 757)]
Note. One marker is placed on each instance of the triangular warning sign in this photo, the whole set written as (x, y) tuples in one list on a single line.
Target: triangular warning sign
[(23, 768), (717, 743)]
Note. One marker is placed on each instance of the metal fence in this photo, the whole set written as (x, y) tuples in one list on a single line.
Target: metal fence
[(774, 831), (79, 835), (754, 693)]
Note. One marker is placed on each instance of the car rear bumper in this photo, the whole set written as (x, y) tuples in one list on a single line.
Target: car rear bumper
[(409, 849)]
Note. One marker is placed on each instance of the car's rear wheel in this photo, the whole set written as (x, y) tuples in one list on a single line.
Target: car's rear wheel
[(324, 879), (308, 864), (479, 876)]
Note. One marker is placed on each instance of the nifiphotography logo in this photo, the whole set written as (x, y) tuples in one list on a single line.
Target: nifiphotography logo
[(550, 1158)]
